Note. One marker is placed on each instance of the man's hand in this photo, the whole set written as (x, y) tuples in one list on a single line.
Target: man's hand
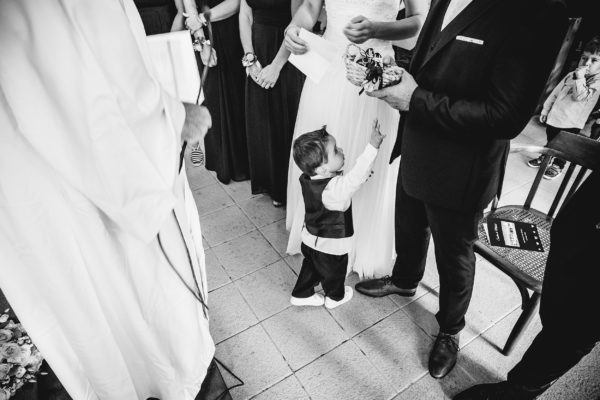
[(543, 118), (292, 41), (376, 135), (359, 29), (398, 96), (197, 122)]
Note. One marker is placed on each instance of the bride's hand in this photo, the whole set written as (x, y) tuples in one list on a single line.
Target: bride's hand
[(359, 29)]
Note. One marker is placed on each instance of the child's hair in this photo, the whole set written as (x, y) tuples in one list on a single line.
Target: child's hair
[(593, 46), (310, 150)]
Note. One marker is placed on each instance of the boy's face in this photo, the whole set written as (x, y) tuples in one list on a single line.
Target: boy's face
[(335, 157), (591, 62)]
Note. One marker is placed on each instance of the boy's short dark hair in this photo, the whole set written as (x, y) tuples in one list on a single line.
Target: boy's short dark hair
[(593, 46), (310, 150)]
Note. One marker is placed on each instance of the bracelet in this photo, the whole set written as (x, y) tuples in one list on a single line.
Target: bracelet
[(248, 59)]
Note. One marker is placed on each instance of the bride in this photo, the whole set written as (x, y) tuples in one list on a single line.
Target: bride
[(336, 103)]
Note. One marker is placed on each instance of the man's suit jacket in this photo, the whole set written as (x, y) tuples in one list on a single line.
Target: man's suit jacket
[(479, 82)]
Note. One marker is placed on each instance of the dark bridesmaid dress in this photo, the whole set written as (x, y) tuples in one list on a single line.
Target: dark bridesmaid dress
[(225, 142), (271, 113)]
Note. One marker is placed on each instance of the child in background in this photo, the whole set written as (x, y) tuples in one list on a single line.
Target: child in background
[(571, 102), (327, 232)]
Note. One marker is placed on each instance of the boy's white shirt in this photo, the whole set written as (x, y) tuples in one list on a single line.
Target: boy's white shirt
[(572, 101), (337, 196)]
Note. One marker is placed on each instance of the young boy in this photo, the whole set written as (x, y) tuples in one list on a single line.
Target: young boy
[(327, 232), (571, 102)]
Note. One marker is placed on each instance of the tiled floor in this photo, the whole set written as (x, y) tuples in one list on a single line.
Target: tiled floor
[(369, 348)]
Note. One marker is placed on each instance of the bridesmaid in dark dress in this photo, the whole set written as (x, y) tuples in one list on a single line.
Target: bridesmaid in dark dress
[(225, 142), (273, 88)]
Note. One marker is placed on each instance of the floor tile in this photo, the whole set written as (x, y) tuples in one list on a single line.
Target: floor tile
[(268, 290), (403, 301), (582, 382), (362, 311), (482, 358), (518, 172), (245, 254), (261, 211), (215, 273), (302, 334), (211, 198), (422, 313), (198, 177), (344, 373), (288, 389), (254, 359), (295, 262), (428, 388), (239, 191), (229, 313), (225, 224), (398, 348), (494, 297), (277, 235)]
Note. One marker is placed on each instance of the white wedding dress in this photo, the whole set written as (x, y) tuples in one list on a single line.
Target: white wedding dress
[(335, 102)]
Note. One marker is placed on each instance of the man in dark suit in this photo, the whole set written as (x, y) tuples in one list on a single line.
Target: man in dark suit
[(569, 302), (478, 70)]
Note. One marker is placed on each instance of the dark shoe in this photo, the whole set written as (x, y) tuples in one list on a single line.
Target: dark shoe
[(382, 287), (443, 355), (496, 391), (552, 172), (536, 162)]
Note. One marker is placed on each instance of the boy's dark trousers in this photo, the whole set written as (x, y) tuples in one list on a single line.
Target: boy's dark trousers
[(318, 267), (551, 133)]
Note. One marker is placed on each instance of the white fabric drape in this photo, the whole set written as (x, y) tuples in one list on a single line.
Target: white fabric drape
[(88, 176)]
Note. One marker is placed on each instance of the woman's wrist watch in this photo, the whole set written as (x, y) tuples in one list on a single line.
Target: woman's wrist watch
[(248, 59)]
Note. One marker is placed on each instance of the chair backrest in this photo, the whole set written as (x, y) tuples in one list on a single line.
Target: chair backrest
[(582, 153)]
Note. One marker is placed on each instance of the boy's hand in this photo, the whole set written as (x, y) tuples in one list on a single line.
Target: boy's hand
[(376, 135), (543, 118), (581, 72)]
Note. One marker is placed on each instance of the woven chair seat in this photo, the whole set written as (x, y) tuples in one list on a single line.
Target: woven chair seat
[(516, 261)]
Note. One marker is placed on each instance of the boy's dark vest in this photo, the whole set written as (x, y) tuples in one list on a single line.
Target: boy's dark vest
[(318, 220)]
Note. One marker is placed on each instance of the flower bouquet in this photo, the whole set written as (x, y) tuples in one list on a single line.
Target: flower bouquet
[(20, 360), (367, 69)]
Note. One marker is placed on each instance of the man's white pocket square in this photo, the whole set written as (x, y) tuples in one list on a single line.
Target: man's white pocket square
[(469, 39)]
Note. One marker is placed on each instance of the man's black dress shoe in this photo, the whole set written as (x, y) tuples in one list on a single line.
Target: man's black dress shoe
[(382, 287), (443, 355), (497, 391)]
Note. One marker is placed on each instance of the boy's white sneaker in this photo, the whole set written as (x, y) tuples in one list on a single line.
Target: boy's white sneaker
[(314, 300), (348, 293)]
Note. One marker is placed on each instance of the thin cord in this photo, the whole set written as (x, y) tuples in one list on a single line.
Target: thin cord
[(198, 296)]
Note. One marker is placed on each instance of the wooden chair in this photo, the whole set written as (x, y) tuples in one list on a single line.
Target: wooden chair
[(526, 268)]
